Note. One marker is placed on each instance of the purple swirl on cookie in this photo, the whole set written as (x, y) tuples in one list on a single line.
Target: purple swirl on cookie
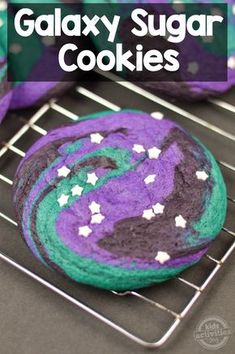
[(119, 200), (203, 60)]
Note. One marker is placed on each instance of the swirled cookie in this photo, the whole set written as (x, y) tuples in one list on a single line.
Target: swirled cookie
[(198, 53), (30, 61), (119, 200)]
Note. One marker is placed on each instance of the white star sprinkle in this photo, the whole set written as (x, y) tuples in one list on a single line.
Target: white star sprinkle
[(49, 41), (233, 9), (193, 68), (92, 178), (3, 5), (149, 179), (148, 214), (15, 48), (63, 200), (180, 221), (158, 208), (94, 207), (202, 175), (162, 257), (157, 115), (97, 218), (231, 62), (63, 171), (84, 231), (76, 190), (207, 39), (154, 152), (138, 148), (178, 7), (96, 138)]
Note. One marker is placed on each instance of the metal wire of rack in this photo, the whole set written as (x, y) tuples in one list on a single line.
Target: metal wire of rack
[(33, 124)]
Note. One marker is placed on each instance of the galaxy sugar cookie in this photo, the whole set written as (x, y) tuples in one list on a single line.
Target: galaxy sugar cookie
[(28, 62), (197, 90), (31, 60), (119, 200), (203, 60)]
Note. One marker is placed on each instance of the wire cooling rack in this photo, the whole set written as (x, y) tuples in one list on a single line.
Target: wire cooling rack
[(175, 298)]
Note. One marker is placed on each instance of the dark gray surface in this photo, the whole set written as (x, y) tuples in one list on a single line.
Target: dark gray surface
[(35, 321)]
